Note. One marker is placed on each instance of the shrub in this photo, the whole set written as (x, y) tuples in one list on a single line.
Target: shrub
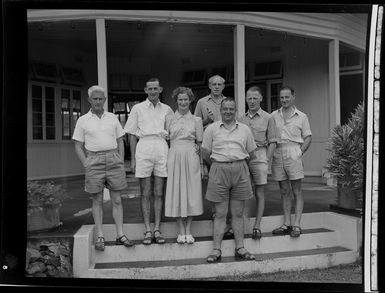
[(40, 195), (347, 150)]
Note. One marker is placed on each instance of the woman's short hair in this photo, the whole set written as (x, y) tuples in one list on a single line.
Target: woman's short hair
[(183, 90)]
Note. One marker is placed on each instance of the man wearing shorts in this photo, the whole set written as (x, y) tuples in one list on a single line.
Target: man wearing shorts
[(147, 122), (227, 145), (99, 146), (263, 130), (293, 139)]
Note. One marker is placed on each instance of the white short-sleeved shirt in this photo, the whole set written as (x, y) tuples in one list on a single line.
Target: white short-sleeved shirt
[(98, 134), (145, 119), (228, 145), (294, 129)]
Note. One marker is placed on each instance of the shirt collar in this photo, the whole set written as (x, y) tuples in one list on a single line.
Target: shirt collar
[(178, 115), (210, 97), (90, 114), (295, 111), (222, 123), (259, 112), (149, 103)]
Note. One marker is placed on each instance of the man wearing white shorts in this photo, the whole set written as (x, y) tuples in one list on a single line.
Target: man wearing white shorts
[(294, 138), (262, 127), (147, 122)]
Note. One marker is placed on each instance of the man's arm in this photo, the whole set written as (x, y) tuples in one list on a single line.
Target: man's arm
[(206, 156), (133, 142), (79, 150), (120, 147), (270, 150), (306, 144)]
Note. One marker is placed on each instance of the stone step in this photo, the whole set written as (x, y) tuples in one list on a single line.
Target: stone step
[(198, 268), (310, 239)]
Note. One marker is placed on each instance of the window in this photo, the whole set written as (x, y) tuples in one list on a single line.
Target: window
[(43, 112), (267, 70), (70, 111)]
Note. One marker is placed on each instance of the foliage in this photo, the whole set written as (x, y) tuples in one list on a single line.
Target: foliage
[(347, 149), (40, 195)]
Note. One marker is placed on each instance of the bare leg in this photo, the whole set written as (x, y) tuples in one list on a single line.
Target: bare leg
[(260, 195), (299, 202), (219, 223), (117, 211), (237, 221), (284, 187), (97, 212), (188, 225), (158, 199), (145, 188), (181, 226)]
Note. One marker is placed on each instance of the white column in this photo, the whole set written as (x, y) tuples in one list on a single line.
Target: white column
[(239, 67), (102, 69), (102, 55), (334, 84)]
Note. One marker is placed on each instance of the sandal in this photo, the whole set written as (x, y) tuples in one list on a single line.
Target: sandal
[(190, 239), (295, 231), (159, 239), (125, 241), (147, 238), (99, 244), (257, 234), (283, 230), (214, 257), (181, 239), (228, 235), (244, 256)]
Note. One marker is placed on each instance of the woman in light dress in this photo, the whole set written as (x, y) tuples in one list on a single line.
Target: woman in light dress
[(184, 187)]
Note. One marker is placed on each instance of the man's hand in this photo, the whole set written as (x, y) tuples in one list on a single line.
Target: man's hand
[(210, 114)]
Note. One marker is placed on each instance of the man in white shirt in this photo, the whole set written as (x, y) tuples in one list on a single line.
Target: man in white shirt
[(149, 155), (98, 138)]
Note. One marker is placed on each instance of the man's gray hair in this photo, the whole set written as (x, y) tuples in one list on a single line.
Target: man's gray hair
[(96, 88), (216, 76)]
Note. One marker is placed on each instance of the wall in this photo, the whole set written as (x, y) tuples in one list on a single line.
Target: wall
[(306, 69)]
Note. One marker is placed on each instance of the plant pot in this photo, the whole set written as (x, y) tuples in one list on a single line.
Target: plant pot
[(45, 218), (348, 198)]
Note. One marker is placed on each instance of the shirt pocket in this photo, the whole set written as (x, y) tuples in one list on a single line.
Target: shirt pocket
[(259, 133), (294, 130)]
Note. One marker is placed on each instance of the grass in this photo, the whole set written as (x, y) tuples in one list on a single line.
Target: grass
[(350, 274)]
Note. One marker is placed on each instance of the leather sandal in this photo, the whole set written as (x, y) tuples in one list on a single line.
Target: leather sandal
[(243, 256), (147, 238), (159, 239), (99, 244), (257, 234), (124, 240), (295, 231), (283, 230), (214, 257)]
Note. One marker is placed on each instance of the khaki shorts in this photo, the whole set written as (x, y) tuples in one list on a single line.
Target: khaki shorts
[(229, 181), (287, 162), (104, 169), (151, 156), (258, 167)]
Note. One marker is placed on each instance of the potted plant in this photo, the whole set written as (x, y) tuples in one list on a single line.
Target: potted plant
[(43, 204), (346, 160)]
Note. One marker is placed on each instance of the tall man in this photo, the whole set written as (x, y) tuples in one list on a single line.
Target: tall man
[(99, 146), (147, 122), (208, 107), (228, 144), (294, 138), (264, 135)]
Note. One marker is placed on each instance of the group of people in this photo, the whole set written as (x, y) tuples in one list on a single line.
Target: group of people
[(173, 145)]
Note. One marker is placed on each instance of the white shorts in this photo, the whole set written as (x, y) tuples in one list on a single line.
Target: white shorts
[(151, 156)]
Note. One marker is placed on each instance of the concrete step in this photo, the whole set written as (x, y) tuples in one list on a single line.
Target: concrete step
[(198, 268), (310, 239)]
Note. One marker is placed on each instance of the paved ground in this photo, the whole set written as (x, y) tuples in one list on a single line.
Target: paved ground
[(76, 210)]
